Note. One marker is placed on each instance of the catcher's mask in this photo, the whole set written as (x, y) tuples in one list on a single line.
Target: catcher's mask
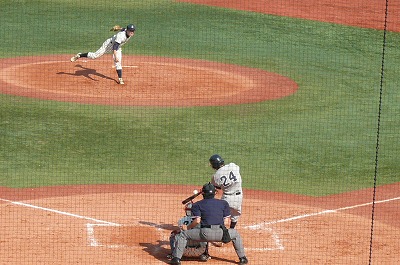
[(216, 161), (188, 209), (208, 191)]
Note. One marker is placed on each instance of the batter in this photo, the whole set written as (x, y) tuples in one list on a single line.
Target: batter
[(112, 45), (228, 179)]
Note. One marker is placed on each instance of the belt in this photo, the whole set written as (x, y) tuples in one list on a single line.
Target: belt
[(210, 226), (235, 193)]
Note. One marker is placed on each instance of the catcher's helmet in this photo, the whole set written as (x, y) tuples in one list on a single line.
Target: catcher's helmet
[(208, 191), (188, 209), (216, 161), (131, 27)]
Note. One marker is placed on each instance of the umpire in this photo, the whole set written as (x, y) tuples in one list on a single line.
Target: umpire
[(213, 216)]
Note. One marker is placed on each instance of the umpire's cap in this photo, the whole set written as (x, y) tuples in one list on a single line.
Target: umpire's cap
[(208, 191)]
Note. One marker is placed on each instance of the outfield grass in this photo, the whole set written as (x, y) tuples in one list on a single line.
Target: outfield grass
[(319, 141)]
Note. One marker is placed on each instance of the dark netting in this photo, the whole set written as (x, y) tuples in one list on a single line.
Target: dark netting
[(115, 114)]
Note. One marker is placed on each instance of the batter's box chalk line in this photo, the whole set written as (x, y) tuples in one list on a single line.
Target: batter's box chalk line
[(266, 232), (91, 235), (94, 241)]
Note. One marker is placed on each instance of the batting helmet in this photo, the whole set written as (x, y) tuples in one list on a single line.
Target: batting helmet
[(208, 191), (216, 161), (131, 27)]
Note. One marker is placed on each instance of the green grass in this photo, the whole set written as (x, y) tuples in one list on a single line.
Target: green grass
[(321, 140)]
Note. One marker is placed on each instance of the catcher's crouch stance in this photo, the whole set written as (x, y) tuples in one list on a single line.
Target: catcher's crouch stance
[(213, 217), (193, 249)]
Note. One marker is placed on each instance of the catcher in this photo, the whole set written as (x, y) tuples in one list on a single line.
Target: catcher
[(112, 45), (193, 249), (210, 222)]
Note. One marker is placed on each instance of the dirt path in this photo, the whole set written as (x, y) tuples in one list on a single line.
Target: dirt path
[(121, 224), (359, 13)]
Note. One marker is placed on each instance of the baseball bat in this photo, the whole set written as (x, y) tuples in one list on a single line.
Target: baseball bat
[(192, 197)]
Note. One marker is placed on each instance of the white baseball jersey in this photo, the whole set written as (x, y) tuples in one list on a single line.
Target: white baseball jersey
[(120, 38), (228, 178), (107, 47)]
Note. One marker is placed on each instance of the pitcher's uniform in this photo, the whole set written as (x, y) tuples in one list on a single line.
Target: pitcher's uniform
[(112, 45), (107, 47)]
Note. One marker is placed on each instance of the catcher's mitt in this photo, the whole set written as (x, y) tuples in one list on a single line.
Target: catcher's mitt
[(116, 28)]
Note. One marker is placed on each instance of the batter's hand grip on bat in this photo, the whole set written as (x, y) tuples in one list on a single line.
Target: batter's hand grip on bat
[(192, 197)]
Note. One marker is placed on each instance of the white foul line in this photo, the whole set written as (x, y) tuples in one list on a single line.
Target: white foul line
[(258, 226), (94, 242), (59, 212)]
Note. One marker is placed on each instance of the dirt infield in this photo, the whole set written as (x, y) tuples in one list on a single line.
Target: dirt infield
[(150, 81), (123, 224), (359, 13), (130, 224)]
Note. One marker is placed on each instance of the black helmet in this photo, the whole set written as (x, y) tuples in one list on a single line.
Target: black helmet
[(208, 191), (131, 27), (216, 161)]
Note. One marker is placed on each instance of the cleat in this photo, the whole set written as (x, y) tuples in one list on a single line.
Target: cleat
[(205, 257), (175, 261), (243, 260), (76, 57)]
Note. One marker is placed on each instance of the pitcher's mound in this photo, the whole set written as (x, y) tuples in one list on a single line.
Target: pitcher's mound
[(149, 81)]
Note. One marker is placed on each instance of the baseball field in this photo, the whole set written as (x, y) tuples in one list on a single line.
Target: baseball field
[(302, 95)]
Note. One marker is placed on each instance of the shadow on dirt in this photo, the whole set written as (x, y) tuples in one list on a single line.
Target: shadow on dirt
[(87, 72)]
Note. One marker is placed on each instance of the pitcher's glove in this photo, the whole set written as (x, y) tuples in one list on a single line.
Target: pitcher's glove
[(116, 28)]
